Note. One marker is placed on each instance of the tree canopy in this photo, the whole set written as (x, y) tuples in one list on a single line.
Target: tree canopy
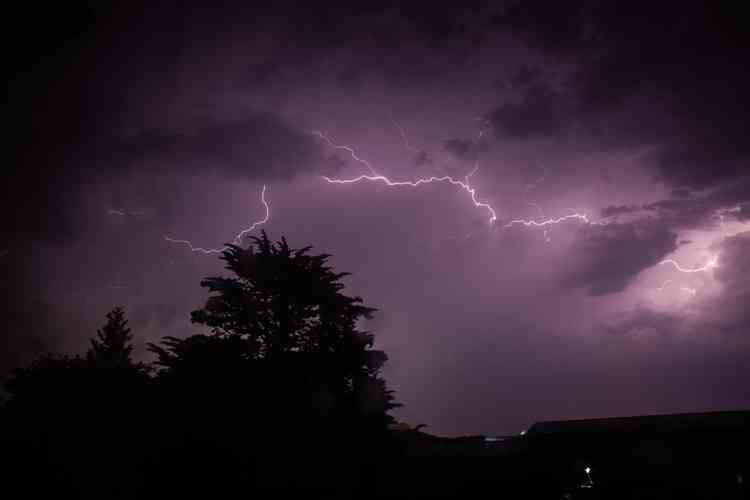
[(285, 310)]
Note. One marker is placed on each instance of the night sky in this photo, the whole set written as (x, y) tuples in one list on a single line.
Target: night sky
[(623, 127)]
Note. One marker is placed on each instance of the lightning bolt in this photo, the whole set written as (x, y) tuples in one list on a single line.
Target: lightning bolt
[(427, 180), (541, 214), (463, 185), (237, 238), (533, 185), (711, 264), (548, 222), (350, 150), (375, 177)]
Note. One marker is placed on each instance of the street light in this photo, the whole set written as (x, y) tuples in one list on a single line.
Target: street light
[(589, 483)]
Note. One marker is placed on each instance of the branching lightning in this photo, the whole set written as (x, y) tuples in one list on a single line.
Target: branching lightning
[(711, 264), (419, 182), (348, 149), (375, 177), (237, 238), (465, 185), (543, 216)]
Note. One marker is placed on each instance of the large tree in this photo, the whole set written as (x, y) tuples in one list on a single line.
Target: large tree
[(282, 300), (285, 309), (284, 375)]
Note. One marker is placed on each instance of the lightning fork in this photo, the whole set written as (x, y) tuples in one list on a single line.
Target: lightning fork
[(237, 238), (375, 177)]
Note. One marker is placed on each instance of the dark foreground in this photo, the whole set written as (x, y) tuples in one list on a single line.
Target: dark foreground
[(676, 456)]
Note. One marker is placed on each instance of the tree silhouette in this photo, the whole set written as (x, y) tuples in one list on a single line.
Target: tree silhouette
[(285, 373), (47, 380), (112, 345), (284, 391), (52, 377), (285, 309), (282, 300), (77, 421)]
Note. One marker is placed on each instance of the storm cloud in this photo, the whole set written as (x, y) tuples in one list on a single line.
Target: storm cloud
[(614, 132)]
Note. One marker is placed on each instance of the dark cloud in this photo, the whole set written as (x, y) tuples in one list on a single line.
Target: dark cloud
[(423, 159), (460, 148), (260, 145), (646, 74), (539, 114), (606, 258), (707, 209), (465, 150), (615, 210), (562, 28), (33, 321), (409, 44), (681, 193), (525, 76)]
